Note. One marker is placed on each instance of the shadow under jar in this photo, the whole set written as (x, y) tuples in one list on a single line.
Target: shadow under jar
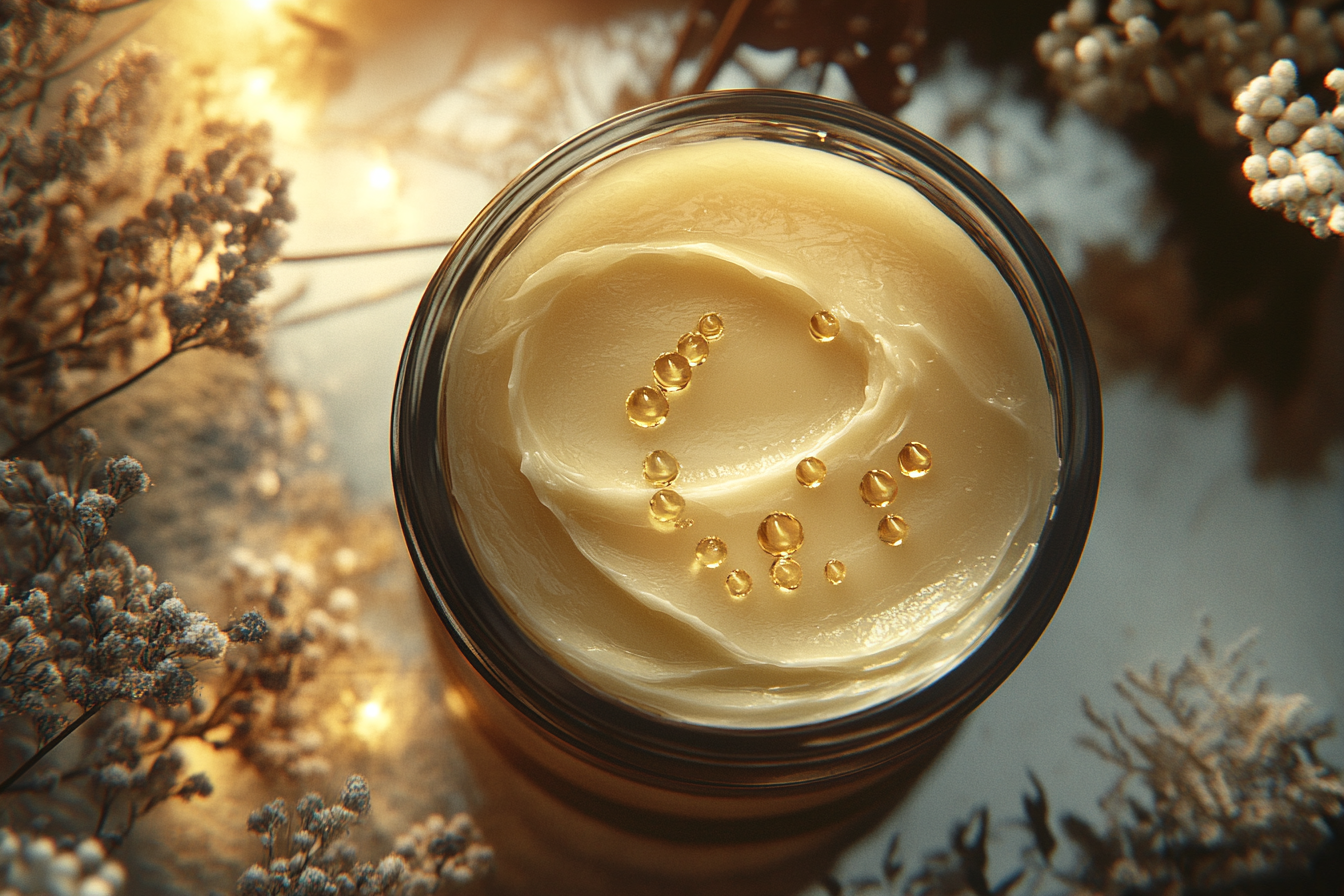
[(744, 444)]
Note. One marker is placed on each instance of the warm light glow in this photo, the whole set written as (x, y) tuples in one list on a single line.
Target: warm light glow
[(259, 5), (456, 703), (371, 719), (382, 177), (260, 80)]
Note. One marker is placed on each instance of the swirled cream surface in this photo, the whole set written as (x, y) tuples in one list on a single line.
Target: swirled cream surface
[(547, 468)]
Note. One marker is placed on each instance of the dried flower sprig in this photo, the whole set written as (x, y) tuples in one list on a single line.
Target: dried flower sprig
[(35, 39), (875, 43), (1189, 56), (442, 853), (1229, 783), (128, 767), (81, 623), (257, 705), (1296, 150), (1220, 791), (85, 302), (35, 866), (307, 853)]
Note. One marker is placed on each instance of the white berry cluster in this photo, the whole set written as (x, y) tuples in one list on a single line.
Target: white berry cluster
[(36, 865), (1185, 55), (1296, 150)]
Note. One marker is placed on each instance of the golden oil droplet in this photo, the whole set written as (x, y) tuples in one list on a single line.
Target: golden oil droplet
[(686, 523), (810, 472), (786, 573), (710, 327), (672, 372), (666, 505), (660, 468), (780, 534), (892, 529), (694, 348), (646, 407), (711, 551), (835, 571), (738, 583), (915, 459), (877, 488), (824, 326)]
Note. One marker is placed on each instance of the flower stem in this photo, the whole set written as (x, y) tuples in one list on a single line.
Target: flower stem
[(48, 747), (29, 441), (376, 250)]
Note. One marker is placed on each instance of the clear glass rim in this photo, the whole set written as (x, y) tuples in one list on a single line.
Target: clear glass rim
[(690, 756)]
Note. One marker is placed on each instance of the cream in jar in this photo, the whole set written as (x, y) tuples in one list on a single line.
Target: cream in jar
[(776, 578)]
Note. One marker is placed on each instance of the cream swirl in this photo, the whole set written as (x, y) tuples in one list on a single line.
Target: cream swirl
[(546, 469)]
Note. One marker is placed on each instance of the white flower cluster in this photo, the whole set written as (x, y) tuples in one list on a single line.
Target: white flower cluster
[(1186, 55), (35, 865), (1296, 150)]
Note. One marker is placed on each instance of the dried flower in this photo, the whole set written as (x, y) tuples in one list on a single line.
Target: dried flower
[(261, 710), (1219, 782), (84, 304), (307, 853), (35, 39), (1220, 791), (439, 851), (80, 621)]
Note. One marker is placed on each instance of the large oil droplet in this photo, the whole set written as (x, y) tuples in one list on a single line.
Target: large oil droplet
[(824, 326), (780, 534), (738, 583), (810, 472), (710, 327), (711, 551), (666, 505), (694, 348), (915, 459), (892, 529), (660, 468), (835, 571), (672, 371), (646, 407), (877, 488), (786, 573)]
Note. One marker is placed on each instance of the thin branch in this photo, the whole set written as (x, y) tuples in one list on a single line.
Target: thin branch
[(48, 747), (103, 47), (718, 50), (683, 41), (377, 250), (362, 302), (29, 441), (292, 298), (118, 7)]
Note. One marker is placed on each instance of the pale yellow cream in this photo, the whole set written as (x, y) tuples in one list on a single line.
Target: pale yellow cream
[(546, 469)]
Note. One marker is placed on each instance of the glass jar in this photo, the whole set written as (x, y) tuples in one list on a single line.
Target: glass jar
[(649, 770)]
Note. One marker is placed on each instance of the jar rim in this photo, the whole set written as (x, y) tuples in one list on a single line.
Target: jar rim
[(694, 755)]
